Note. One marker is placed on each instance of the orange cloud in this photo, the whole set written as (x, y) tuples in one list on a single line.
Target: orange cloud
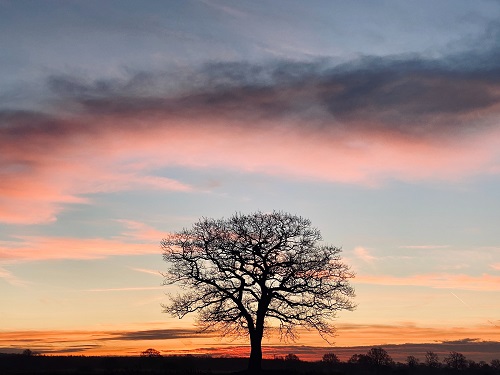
[(379, 334)]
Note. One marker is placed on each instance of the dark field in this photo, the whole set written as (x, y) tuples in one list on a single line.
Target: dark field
[(17, 364)]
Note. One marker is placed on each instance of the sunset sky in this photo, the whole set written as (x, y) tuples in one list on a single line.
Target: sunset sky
[(122, 121)]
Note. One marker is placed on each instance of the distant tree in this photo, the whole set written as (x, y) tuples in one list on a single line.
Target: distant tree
[(495, 363), (150, 353), (432, 359), (28, 352), (354, 358), (292, 358), (456, 361), (483, 364), (379, 357), (249, 273), (330, 358), (412, 361), (359, 359), (474, 366)]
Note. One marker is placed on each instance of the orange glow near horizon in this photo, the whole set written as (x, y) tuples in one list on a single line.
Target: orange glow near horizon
[(112, 342)]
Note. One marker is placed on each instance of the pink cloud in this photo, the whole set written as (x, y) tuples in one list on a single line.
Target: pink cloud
[(117, 152), (63, 176), (141, 232), (42, 248), (484, 282), (137, 238), (125, 289), (364, 254)]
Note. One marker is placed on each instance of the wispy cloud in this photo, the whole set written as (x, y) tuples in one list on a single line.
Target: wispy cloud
[(158, 334), (98, 342), (125, 289), (148, 271), (28, 248), (136, 238), (141, 232), (460, 299), (363, 254), (11, 278), (424, 247), (483, 282)]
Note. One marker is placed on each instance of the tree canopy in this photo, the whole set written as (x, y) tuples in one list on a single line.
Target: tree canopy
[(251, 273)]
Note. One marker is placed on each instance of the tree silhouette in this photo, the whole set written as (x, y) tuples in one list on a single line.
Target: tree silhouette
[(359, 359), (412, 361), (151, 353), (28, 352), (379, 357), (431, 359), (250, 273), (376, 358), (495, 363), (290, 357), (330, 358), (456, 361)]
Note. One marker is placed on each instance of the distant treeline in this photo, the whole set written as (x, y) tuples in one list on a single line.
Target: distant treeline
[(376, 361)]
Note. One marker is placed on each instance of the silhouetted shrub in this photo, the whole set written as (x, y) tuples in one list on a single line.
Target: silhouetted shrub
[(152, 353), (330, 358), (292, 358)]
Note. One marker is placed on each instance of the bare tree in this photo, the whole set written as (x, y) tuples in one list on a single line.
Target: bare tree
[(379, 357), (330, 358), (412, 361), (432, 359), (456, 361), (251, 273)]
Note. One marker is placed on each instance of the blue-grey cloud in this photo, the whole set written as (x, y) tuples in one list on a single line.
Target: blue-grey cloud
[(156, 334), (404, 94)]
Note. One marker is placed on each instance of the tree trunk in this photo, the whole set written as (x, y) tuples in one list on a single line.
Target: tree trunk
[(255, 362)]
